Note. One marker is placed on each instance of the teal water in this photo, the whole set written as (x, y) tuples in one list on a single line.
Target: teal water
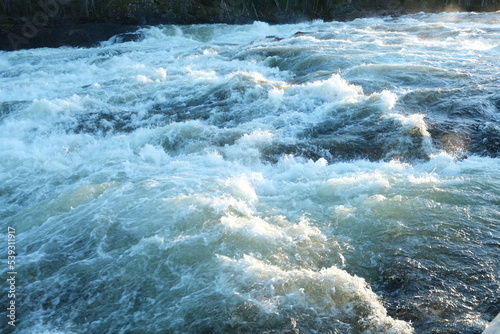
[(307, 178)]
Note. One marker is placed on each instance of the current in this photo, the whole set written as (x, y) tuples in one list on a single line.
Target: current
[(310, 178)]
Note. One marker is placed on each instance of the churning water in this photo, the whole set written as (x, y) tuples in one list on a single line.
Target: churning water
[(304, 178)]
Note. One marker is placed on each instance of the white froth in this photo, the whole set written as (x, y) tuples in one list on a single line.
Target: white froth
[(333, 293), (334, 89)]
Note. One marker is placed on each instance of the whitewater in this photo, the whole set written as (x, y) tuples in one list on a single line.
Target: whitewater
[(319, 177)]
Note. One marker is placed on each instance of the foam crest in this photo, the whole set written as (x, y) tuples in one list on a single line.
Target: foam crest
[(248, 148), (153, 154), (335, 89), (58, 108), (254, 229), (201, 75), (241, 186), (414, 134), (354, 185), (248, 33), (276, 97), (330, 296)]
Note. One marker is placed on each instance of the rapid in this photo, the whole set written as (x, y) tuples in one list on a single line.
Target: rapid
[(319, 177)]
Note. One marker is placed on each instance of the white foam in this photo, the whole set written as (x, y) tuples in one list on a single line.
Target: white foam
[(248, 148), (333, 294), (335, 89), (363, 183), (153, 154)]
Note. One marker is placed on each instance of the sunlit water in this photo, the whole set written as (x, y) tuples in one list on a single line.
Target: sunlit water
[(306, 178)]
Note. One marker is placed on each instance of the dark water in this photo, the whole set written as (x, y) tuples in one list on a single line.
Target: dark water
[(307, 178)]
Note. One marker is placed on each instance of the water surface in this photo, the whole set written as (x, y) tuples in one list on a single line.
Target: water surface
[(314, 178)]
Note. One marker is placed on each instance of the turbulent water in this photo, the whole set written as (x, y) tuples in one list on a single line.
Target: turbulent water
[(321, 177)]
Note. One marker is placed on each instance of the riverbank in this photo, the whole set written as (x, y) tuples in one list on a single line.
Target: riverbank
[(54, 23)]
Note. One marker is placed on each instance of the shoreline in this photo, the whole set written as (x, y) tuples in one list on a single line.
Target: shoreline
[(42, 30)]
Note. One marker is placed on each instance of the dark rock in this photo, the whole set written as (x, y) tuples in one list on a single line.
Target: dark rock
[(81, 35), (129, 37)]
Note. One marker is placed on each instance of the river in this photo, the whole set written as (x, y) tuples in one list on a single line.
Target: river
[(320, 177)]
